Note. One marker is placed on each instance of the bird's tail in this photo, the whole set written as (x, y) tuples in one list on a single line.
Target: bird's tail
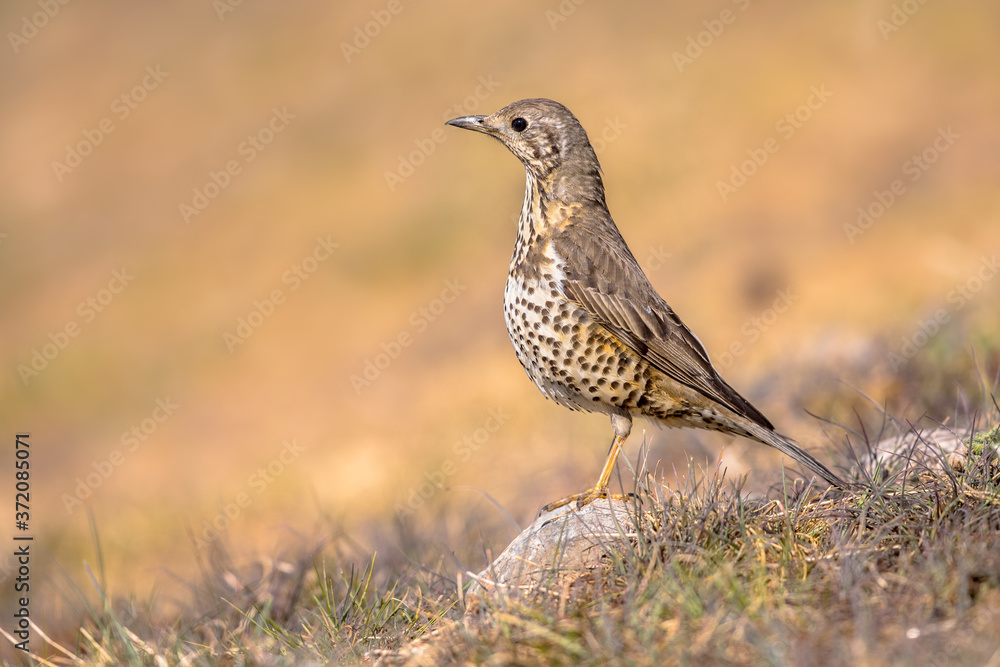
[(786, 446)]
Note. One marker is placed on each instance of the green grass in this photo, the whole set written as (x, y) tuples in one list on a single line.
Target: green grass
[(905, 570), (986, 440)]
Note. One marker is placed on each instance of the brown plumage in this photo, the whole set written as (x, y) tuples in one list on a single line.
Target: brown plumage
[(586, 323)]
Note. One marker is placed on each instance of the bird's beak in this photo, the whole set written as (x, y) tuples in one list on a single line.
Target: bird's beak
[(475, 123)]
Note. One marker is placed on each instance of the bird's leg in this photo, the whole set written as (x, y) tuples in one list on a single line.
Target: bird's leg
[(622, 428), (609, 464), (599, 490)]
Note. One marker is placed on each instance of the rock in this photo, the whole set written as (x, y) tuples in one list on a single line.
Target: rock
[(933, 450), (558, 548)]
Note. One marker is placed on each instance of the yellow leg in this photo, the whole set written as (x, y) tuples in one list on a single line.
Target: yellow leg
[(599, 490), (609, 463)]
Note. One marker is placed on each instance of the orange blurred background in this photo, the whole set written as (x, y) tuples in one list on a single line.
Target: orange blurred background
[(249, 278)]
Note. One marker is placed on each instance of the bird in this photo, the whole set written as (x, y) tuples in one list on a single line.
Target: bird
[(586, 323)]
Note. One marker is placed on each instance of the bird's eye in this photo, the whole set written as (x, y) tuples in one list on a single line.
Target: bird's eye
[(519, 124)]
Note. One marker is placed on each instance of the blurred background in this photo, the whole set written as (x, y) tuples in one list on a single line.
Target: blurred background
[(251, 287)]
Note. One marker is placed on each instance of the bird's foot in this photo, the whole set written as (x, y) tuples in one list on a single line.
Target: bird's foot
[(581, 499)]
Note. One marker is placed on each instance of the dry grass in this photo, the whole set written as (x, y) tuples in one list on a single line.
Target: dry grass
[(902, 569)]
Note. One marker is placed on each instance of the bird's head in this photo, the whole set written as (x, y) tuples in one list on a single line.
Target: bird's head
[(543, 134)]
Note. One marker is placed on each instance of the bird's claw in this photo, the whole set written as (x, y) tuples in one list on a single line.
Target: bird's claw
[(581, 499)]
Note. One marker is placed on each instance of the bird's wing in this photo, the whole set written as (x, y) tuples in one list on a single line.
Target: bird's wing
[(602, 275)]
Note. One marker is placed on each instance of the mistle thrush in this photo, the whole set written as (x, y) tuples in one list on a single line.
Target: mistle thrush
[(586, 323)]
